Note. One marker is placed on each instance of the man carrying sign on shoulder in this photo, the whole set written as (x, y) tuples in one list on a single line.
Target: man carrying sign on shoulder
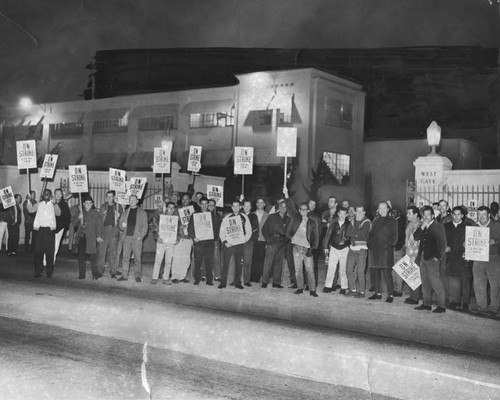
[(203, 249), (234, 235), (484, 271), (134, 223)]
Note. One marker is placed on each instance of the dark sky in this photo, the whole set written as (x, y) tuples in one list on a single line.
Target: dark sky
[(66, 33)]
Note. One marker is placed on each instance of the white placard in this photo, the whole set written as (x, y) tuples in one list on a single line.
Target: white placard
[(286, 145), (168, 228), (78, 180), (477, 243), (7, 196), (137, 186), (26, 154), (194, 161), (409, 272), (161, 162), (49, 166), (185, 214), (158, 201), (216, 193), (472, 204), (234, 231), (243, 160), (117, 180), (203, 228)]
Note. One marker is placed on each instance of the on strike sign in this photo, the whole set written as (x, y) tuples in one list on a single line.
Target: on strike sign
[(216, 193), (117, 180), (477, 243), (203, 227), (161, 162), (287, 142), (409, 272), (137, 186), (49, 166), (168, 228), (194, 162), (78, 182), (26, 154), (243, 160), (7, 197)]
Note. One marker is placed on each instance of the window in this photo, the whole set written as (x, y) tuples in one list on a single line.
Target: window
[(339, 167), (210, 120), (66, 129), (338, 113), (264, 117), (158, 123), (110, 126), (284, 119)]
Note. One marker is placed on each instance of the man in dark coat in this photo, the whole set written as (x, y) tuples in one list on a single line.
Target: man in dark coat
[(458, 270), (89, 232), (430, 253), (249, 246), (29, 218), (14, 224), (383, 237), (62, 220)]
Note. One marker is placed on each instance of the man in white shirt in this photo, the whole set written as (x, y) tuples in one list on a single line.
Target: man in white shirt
[(45, 226)]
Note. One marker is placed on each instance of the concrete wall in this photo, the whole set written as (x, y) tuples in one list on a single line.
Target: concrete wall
[(389, 164)]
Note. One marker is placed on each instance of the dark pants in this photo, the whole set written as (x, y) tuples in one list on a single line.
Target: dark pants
[(13, 238), (110, 241), (82, 267), (247, 260), (459, 289), (431, 281), (203, 251), (237, 252), (44, 245), (28, 231), (259, 254), (377, 274), (290, 262), (275, 253)]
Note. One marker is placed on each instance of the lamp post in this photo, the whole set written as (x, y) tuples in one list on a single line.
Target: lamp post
[(433, 137)]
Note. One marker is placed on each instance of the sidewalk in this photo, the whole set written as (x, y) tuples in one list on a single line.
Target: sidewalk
[(399, 321)]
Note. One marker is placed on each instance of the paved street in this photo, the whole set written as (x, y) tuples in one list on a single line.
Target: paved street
[(87, 336)]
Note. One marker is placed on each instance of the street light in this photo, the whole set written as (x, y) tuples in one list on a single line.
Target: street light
[(25, 102), (433, 137)]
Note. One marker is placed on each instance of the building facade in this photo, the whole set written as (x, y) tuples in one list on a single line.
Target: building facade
[(121, 132)]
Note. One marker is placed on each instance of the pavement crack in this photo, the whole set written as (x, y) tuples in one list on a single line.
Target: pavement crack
[(487, 393), (368, 378)]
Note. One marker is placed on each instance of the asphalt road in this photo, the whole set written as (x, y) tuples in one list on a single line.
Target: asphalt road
[(46, 362)]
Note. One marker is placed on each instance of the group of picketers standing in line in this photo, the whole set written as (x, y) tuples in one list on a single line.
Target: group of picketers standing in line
[(433, 237)]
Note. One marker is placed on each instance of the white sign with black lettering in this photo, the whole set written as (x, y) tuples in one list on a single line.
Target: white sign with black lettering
[(185, 214), (409, 272), (137, 186), (168, 228), (78, 180), (7, 197), (123, 198), (26, 154), (477, 243), (203, 228), (117, 180), (49, 166), (161, 162), (234, 231), (216, 193), (194, 161), (243, 160)]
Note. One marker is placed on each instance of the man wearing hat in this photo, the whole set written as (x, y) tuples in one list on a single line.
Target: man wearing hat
[(89, 233)]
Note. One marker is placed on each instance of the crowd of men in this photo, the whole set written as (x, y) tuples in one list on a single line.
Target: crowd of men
[(356, 249)]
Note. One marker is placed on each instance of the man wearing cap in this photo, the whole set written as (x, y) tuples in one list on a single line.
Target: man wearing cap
[(89, 234), (134, 223)]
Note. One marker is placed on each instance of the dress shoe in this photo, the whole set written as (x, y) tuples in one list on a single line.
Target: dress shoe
[(138, 280), (389, 299), (409, 300), (439, 310), (278, 286), (327, 289), (113, 276), (203, 279), (342, 291), (154, 281), (314, 294), (81, 277), (337, 287), (122, 279), (372, 289), (239, 286), (210, 283), (375, 296), (118, 273), (264, 285), (298, 291), (185, 280), (167, 282), (175, 280), (423, 307), (221, 286), (351, 293), (293, 286), (465, 307), (196, 283), (453, 305), (248, 284), (359, 295), (397, 294)]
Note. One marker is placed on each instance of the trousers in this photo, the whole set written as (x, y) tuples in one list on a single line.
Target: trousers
[(300, 258), (356, 263), (132, 246), (431, 281)]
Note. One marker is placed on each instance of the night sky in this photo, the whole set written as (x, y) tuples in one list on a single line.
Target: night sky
[(46, 44)]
